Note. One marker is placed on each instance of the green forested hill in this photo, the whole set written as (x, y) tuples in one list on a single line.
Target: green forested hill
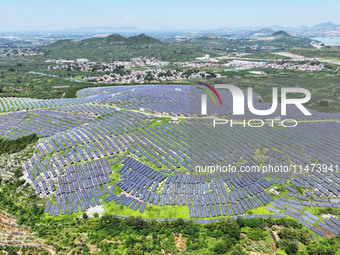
[(118, 47), (279, 39)]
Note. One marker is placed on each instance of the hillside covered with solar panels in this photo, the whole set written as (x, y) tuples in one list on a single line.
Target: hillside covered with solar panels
[(134, 151)]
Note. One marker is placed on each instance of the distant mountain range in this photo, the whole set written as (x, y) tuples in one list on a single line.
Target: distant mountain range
[(323, 29)]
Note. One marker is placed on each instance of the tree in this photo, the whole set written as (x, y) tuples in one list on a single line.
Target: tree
[(291, 248), (288, 246), (224, 247), (85, 217), (96, 215), (287, 233), (108, 222), (149, 77), (130, 241), (240, 221), (35, 209), (18, 173)]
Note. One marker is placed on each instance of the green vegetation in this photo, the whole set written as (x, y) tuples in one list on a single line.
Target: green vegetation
[(255, 234), (13, 146), (264, 55), (16, 81), (27, 211), (291, 239), (327, 210), (328, 53), (112, 235)]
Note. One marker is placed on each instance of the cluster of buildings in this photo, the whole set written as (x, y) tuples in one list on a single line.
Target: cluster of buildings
[(123, 72), (21, 52), (198, 64), (259, 47), (290, 65), (147, 75), (67, 61), (85, 65), (88, 66), (131, 71)]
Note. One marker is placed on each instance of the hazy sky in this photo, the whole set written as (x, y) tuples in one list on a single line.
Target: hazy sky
[(164, 14)]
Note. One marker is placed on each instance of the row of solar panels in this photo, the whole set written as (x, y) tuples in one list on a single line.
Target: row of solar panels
[(54, 210)]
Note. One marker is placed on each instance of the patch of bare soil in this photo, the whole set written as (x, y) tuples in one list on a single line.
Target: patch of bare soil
[(180, 243)]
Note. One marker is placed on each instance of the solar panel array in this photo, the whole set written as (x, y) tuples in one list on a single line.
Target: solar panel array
[(79, 185), (43, 123), (83, 138)]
